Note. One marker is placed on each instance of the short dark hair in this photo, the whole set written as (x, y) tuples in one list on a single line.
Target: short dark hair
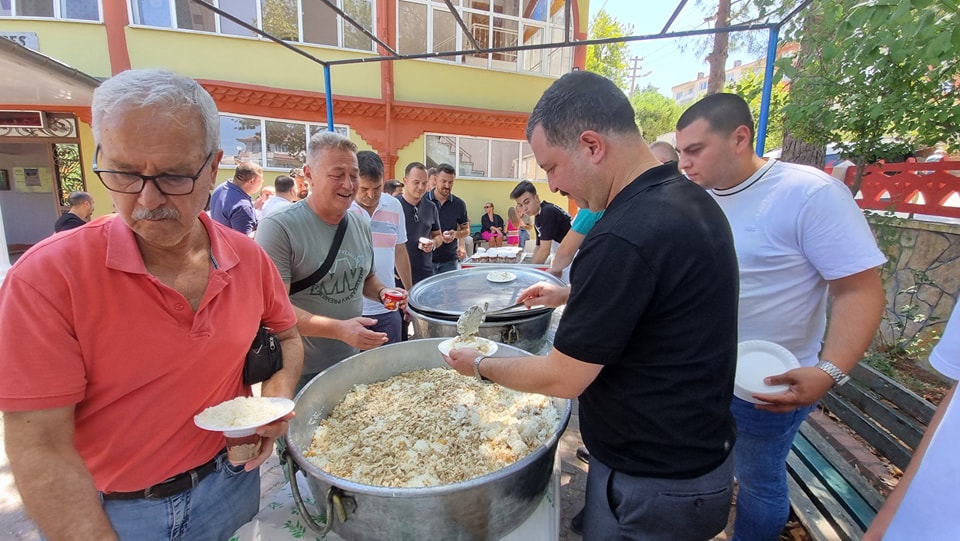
[(284, 184), (413, 165), (392, 185), (432, 172), (371, 166), (723, 112), (525, 186), (296, 172), (581, 101), (247, 171), (446, 168), (669, 149)]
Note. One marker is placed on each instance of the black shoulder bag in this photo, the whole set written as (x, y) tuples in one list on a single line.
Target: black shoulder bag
[(300, 285), (265, 357)]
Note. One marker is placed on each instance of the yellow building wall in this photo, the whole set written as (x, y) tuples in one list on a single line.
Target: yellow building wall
[(248, 60), (79, 45), (465, 86)]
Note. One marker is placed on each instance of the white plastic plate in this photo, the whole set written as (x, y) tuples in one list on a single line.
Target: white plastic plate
[(757, 360), (246, 430), (489, 345), (501, 277)]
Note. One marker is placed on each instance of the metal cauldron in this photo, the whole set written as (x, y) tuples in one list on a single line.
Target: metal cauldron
[(483, 508), (437, 302)]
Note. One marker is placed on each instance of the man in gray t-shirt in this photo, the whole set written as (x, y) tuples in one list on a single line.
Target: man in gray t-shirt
[(298, 240)]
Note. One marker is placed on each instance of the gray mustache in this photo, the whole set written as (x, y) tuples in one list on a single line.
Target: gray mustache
[(161, 213)]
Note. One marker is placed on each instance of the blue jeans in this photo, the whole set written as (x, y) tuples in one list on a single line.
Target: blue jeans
[(626, 507), (225, 500), (760, 456), (446, 266)]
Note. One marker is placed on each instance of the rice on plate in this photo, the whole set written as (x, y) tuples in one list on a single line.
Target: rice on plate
[(243, 411)]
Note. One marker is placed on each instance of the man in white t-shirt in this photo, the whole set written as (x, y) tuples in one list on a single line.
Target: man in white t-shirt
[(923, 506), (286, 194), (387, 225), (800, 238)]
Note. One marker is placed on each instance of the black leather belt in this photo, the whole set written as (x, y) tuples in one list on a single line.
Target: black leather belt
[(170, 487)]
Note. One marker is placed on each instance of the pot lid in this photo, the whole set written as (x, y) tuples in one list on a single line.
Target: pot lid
[(448, 294)]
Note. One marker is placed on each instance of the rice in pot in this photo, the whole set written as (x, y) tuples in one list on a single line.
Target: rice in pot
[(429, 428)]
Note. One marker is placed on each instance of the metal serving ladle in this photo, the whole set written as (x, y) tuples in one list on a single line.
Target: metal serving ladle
[(468, 324)]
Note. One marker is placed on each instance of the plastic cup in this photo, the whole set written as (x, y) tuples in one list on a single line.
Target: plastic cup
[(391, 298), (242, 448)]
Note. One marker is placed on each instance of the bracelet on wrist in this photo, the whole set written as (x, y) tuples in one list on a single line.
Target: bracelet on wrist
[(476, 369)]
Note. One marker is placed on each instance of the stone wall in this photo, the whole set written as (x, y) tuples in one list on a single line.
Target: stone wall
[(922, 278)]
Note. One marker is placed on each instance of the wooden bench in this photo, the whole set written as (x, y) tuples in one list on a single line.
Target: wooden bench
[(831, 495)]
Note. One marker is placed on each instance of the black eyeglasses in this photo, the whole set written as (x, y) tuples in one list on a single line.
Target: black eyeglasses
[(127, 182), (416, 215)]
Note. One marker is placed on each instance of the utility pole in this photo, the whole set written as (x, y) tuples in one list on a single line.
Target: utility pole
[(635, 72)]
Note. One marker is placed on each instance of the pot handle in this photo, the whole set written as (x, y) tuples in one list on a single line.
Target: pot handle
[(509, 335), (290, 470)]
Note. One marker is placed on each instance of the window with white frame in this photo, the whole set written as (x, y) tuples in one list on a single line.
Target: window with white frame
[(304, 21), (81, 10), (428, 26), (274, 144), (480, 157)]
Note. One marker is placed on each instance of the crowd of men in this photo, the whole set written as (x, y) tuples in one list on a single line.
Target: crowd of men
[(113, 335)]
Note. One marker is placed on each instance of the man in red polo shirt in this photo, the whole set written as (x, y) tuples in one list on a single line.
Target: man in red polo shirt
[(114, 335)]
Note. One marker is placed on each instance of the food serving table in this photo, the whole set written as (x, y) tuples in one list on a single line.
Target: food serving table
[(279, 520)]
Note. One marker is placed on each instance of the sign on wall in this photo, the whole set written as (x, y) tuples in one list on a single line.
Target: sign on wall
[(23, 39), (33, 179)]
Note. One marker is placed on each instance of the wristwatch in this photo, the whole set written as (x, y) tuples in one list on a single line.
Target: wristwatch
[(476, 369), (839, 377)]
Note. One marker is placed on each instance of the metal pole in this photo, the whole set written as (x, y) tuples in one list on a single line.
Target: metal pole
[(767, 89), (328, 89)]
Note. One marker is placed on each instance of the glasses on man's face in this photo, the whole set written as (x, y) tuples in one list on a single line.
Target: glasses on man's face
[(127, 182), (487, 207)]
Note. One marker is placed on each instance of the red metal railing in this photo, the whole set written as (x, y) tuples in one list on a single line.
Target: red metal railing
[(918, 188)]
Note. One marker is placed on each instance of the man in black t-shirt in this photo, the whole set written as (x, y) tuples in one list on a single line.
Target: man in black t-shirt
[(550, 221), (454, 223), (422, 222), (81, 209), (648, 339)]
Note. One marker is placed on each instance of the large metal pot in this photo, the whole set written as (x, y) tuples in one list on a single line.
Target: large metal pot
[(437, 302), (484, 508)]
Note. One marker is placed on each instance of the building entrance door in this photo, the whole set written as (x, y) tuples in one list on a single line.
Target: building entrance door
[(29, 198)]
